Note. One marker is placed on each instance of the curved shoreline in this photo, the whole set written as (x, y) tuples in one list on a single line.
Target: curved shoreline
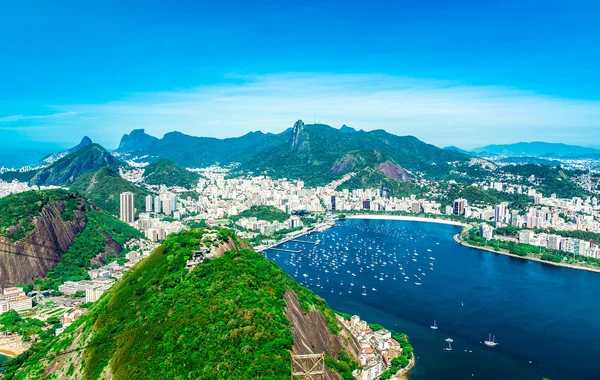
[(501, 252), (406, 218), (8, 353), (463, 243)]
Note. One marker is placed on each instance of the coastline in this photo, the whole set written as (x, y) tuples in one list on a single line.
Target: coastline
[(406, 218), (571, 266), (461, 242), (8, 353)]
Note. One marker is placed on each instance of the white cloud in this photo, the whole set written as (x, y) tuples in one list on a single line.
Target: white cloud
[(438, 112), (16, 118)]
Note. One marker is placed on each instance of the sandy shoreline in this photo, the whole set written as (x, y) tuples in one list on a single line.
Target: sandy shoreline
[(9, 353), (406, 218)]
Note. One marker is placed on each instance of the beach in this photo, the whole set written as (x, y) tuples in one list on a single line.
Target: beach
[(406, 218)]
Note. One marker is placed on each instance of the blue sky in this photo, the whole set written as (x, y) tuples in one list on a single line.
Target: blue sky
[(464, 73)]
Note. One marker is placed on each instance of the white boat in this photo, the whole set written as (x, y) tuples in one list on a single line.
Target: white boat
[(491, 342), (434, 326), (449, 348)]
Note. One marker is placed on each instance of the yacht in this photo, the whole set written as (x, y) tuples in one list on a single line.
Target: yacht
[(434, 326), (491, 342)]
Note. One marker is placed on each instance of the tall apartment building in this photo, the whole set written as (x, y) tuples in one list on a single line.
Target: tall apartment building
[(127, 207), (149, 202), (459, 206)]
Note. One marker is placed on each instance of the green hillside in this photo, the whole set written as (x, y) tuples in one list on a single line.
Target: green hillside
[(88, 159), (19, 210), (226, 319), (548, 179), (315, 153), (319, 154), (167, 172), (268, 213), (104, 188), (63, 230), (101, 229)]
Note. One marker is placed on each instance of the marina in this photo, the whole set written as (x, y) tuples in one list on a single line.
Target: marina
[(406, 275)]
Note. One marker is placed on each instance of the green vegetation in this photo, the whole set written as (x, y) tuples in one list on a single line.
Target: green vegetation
[(478, 196), (267, 213), (88, 159), (225, 319), (91, 242), (104, 188), (548, 179), (20, 209), (19, 176), (168, 173), (343, 365), (322, 154), (27, 328), (526, 250)]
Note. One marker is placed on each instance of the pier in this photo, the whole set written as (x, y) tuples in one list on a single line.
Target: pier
[(306, 241), (282, 250)]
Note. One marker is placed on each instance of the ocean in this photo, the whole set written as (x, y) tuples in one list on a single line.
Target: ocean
[(543, 317)]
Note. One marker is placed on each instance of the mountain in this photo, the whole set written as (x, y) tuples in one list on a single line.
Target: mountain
[(104, 187), (88, 159), (55, 235), (168, 173), (536, 148), (136, 140), (457, 149), (521, 160), (49, 159), (235, 316), (316, 153), (191, 151)]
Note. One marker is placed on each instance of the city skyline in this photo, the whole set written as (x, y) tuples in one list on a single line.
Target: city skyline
[(465, 74)]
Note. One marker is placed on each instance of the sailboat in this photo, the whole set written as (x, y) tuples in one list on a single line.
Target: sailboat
[(491, 342), (449, 348), (434, 327)]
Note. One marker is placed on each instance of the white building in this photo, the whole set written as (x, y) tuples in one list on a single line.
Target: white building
[(127, 207)]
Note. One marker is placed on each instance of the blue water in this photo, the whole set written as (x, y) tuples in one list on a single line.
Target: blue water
[(545, 318), (19, 157), (3, 359)]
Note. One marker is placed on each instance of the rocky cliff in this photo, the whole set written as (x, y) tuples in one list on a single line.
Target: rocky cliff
[(312, 336), (236, 316), (23, 260)]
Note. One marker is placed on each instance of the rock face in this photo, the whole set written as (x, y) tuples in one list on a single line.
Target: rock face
[(311, 334), (22, 261), (389, 169), (137, 139), (296, 139)]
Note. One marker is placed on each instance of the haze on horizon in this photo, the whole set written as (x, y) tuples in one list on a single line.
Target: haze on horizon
[(465, 74)]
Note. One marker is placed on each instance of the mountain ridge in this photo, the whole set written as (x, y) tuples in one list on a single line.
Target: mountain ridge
[(536, 148)]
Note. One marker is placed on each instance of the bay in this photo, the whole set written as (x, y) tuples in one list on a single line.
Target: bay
[(542, 316)]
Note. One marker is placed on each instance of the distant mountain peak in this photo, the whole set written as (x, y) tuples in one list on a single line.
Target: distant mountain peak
[(137, 139), (51, 158), (347, 129), (296, 132)]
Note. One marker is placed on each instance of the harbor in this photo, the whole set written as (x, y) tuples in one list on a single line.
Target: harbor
[(411, 276)]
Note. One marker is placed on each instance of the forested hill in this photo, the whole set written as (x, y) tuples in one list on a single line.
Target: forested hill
[(88, 159), (316, 153), (104, 187), (53, 236), (228, 318), (168, 173)]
